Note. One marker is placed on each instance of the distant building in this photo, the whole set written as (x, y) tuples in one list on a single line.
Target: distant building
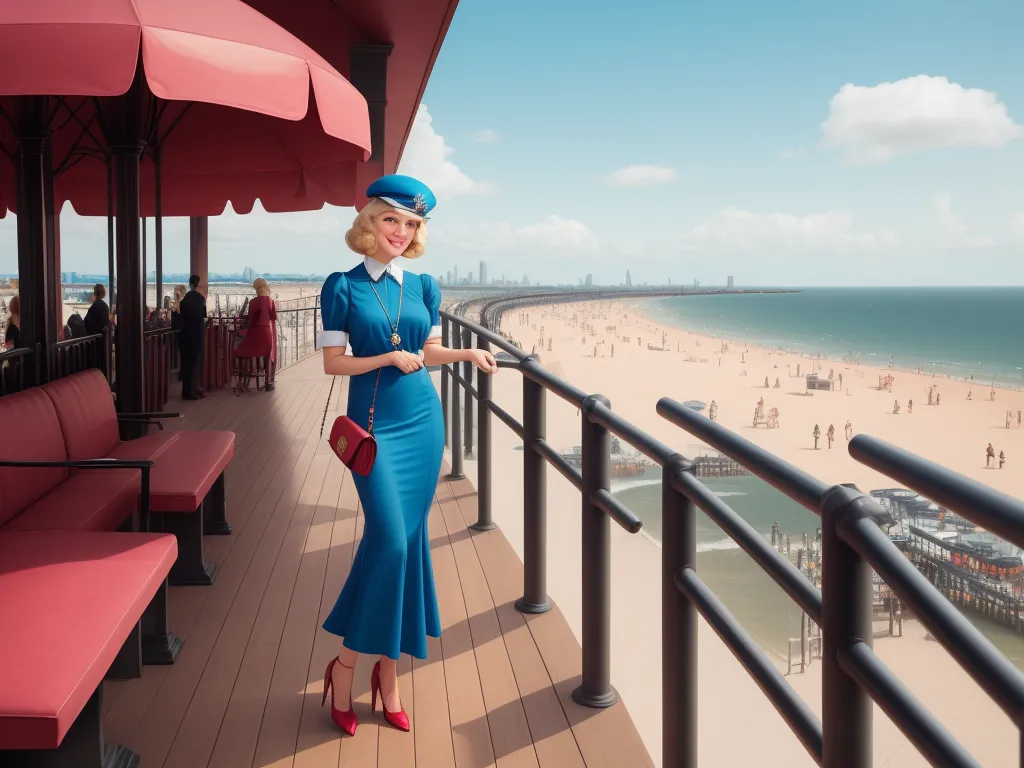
[(483, 273), (589, 281), (448, 278), (730, 284), (629, 280)]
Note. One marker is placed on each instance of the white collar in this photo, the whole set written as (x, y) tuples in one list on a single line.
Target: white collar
[(376, 270)]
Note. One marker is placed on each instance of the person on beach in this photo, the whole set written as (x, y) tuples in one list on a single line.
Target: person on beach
[(910, 406), (990, 453), (816, 433), (831, 435), (383, 343), (895, 407), (1002, 458), (849, 431)]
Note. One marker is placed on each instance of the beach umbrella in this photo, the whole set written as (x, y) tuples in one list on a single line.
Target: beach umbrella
[(219, 96)]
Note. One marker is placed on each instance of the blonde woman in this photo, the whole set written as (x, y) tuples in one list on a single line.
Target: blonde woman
[(382, 327), (261, 333)]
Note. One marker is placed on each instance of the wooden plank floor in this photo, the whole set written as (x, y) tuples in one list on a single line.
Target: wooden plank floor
[(246, 689)]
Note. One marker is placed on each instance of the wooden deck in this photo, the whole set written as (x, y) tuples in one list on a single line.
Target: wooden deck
[(246, 689)]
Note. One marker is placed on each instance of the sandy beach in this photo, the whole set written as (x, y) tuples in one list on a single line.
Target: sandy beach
[(695, 367)]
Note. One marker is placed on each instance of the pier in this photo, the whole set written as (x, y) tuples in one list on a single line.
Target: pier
[(718, 466)]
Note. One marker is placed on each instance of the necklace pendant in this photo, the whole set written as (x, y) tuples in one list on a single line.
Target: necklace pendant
[(395, 340)]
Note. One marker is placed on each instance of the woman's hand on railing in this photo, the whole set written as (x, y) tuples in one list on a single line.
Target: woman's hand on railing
[(404, 361), (483, 360)]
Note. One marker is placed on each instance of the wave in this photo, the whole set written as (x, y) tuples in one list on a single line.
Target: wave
[(629, 485), (717, 546)]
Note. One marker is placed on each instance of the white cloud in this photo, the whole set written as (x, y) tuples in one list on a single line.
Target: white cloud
[(552, 235), (641, 176), (952, 231), (737, 230), (426, 157), (874, 124), (486, 136)]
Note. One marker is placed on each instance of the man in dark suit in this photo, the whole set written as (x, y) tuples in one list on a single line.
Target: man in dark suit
[(190, 341), (97, 319)]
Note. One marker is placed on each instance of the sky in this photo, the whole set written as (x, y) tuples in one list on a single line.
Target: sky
[(789, 143)]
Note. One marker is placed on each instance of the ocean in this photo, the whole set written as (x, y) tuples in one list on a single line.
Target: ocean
[(955, 332), (757, 602)]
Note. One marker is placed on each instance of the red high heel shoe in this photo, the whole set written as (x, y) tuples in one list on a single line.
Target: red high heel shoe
[(398, 719), (346, 720)]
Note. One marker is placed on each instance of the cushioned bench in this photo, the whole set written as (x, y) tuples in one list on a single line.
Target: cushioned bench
[(186, 486), (40, 488), (70, 601), (187, 498)]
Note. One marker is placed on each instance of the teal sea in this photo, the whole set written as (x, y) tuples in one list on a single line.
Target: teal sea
[(955, 332), (761, 607)]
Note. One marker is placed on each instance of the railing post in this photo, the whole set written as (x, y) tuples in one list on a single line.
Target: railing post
[(467, 374), (483, 465), (535, 492), (678, 623), (846, 597), (445, 326), (595, 690), (456, 473)]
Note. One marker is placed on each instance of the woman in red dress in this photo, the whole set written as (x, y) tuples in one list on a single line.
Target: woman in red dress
[(261, 335)]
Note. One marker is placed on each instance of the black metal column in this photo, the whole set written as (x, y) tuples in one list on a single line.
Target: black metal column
[(158, 226), (484, 521), (36, 254), (535, 496), (456, 422), (678, 623), (467, 375), (124, 126), (111, 296), (445, 326), (596, 689), (846, 597), (368, 72)]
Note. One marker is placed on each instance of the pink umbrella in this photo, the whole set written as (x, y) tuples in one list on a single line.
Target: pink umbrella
[(217, 94), (231, 117)]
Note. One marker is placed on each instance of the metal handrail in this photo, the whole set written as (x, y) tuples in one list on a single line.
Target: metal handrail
[(853, 544)]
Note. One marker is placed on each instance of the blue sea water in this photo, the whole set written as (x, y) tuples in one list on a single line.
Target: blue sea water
[(954, 332)]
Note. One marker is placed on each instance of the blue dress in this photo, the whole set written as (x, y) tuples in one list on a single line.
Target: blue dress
[(388, 605)]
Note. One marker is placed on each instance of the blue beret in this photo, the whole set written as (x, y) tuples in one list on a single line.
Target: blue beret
[(404, 193)]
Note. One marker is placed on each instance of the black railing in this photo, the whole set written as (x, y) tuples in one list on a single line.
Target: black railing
[(76, 355), (297, 332), (853, 544), (15, 371), (160, 352)]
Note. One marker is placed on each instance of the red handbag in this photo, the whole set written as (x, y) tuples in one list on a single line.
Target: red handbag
[(355, 446)]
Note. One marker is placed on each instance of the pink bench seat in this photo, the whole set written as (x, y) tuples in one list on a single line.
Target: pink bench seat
[(187, 498), (70, 602), (87, 501)]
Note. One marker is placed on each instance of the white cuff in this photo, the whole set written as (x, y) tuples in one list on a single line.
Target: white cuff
[(333, 339), (435, 333)]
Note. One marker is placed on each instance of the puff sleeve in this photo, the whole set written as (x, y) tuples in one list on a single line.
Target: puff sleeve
[(334, 301), (432, 298)]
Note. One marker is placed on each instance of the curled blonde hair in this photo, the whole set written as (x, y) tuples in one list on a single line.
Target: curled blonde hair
[(179, 293), (361, 239), (260, 286)]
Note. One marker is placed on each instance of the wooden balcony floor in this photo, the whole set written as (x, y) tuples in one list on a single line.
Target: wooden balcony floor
[(246, 688)]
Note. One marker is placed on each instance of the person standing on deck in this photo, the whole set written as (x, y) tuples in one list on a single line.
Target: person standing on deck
[(192, 309), (260, 339), (382, 327)]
